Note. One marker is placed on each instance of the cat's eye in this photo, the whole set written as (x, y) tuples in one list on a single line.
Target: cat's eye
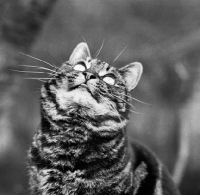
[(109, 80), (80, 66)]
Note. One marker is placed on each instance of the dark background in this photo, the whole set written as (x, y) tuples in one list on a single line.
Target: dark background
[(165, 37)]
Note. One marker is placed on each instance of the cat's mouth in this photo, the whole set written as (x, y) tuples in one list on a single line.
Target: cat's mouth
[(79, 86), (83, 86)]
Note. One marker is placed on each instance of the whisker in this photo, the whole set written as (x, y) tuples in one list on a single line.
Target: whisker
[(84, 39), (40, 60), (37, 92), (141, 101), (35, 79), (51, 56), (110, 104), (38, 78), (135, 111), (123, 100), (120, 54), (38, 67), (99, 50), (112, 107), (136, 99), (34, 72)]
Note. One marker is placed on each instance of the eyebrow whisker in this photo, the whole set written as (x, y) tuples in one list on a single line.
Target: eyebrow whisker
[(99, 50), (120, 53)]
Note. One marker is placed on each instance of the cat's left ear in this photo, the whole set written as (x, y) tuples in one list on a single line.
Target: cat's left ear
[(81, 52), (131, 74)]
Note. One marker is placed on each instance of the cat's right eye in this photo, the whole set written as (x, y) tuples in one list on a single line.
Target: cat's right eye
[(80, 67), (109, 79)]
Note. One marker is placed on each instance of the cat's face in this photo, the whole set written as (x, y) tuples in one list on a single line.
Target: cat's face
[(91, 88)]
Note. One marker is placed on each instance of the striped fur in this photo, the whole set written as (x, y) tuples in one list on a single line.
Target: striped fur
[(81, 146)]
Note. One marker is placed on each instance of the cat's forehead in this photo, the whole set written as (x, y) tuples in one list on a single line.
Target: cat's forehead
[(100, 66)]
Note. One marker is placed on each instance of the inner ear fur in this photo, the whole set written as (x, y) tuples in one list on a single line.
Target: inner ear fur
[(131, 73), (81, 52)]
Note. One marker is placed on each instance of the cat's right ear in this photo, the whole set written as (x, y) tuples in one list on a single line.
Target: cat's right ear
[(81, 52), (131, 74)]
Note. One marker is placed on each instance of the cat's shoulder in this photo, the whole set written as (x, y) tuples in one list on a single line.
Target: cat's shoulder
[(143, 154), (157, 180)]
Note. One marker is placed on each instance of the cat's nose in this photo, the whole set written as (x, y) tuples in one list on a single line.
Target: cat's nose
[(89, 75)]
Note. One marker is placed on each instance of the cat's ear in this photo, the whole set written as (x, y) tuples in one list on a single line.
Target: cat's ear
[(81, 52), (131, 74)]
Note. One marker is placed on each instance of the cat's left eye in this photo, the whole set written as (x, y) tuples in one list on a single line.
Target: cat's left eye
[(109, 80), (80, 67)]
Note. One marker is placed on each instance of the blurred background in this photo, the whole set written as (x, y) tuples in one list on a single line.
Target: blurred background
[(163, 35)]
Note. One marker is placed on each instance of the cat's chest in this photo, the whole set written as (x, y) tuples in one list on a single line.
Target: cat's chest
[(70, 182), (77, 183)]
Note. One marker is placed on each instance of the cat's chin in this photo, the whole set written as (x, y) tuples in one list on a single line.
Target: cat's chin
[(81, 97), (78, 96)]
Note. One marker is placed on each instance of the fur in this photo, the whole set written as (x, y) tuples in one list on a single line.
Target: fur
[(81, 146)]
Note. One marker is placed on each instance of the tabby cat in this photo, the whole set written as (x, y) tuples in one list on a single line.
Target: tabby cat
[(81, 147)]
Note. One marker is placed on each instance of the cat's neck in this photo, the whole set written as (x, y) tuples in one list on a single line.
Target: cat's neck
[(75, 140)]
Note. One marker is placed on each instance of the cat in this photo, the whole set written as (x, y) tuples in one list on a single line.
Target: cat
[(81, 147)]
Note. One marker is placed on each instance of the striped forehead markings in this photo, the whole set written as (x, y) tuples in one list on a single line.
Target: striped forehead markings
[(88, 62), (103, 71)]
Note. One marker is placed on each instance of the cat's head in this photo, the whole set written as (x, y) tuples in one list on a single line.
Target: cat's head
[(90, 88)]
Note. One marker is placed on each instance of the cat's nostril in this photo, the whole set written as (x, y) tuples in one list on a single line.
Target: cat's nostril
[(89, 75), (92, 77)]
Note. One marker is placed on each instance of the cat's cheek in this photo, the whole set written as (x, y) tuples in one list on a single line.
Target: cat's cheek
[(64, 85), (93, 86), (78, 80)]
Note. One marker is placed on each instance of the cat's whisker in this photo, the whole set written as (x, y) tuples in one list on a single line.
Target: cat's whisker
[(33, 72), (35, 79), (51, 56), (38, 78), (120, 53), (41, 80), (112, 107), (99, 50), (136, 99), (110, 104), (39, 90), (36, 91), (135, 111), (84, 39), (141, 101), (123, 101), (39, 67), (106, 100), (40, 60)]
